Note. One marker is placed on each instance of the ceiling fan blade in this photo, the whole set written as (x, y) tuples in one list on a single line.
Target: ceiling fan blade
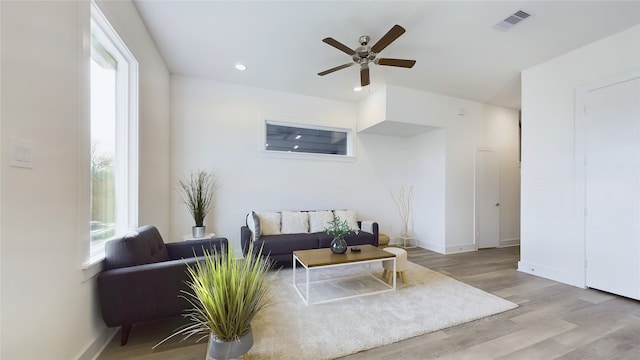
[(388, 38), (338, 45), (396, 62), (343, 66), (364, 76)]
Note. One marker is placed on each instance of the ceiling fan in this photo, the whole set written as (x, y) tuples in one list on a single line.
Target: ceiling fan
[(366, 54)]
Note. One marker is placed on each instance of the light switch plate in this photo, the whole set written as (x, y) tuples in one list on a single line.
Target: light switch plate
[(21, 153)]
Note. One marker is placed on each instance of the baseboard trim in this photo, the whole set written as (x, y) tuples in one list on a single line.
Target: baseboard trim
[(509, 242), (460, 249), (430, 246), (550, 274), (448, 249), (95, 348)]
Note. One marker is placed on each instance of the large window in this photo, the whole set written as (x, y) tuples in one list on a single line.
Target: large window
[(114, 144), (293, 138)]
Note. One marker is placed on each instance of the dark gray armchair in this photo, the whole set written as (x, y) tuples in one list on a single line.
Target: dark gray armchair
[(143, 277)]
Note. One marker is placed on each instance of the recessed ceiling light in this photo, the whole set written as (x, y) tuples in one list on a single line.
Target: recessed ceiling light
[(241, 67), (357, 88)]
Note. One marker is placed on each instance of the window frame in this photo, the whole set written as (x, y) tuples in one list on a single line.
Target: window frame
[(127, 123), (350, 156)]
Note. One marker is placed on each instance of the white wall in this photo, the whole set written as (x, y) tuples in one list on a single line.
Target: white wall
[(429, 181), (550, 244), (465, 125), (372, 109), (217, 127), (502, 132), (44, 293)]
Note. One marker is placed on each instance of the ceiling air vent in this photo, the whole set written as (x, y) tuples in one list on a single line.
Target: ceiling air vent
[(512, 20)]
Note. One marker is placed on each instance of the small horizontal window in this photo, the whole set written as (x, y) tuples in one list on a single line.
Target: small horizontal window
[(311, 140)]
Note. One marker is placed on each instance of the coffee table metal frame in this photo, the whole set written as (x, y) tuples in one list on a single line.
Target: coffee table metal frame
[(341, 262)]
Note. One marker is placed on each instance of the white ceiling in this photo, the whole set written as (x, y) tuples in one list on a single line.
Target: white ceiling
[(458, 52)]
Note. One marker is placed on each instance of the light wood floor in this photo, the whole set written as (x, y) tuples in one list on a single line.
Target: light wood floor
[(553, 320)]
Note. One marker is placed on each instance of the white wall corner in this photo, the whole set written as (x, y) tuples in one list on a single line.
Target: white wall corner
[(431, 246), (372, 109), (509, 242)]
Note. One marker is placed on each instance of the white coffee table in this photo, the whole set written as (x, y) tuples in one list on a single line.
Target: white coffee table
[(324, 258)]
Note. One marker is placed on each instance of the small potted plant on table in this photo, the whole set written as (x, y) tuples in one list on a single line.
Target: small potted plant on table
[(338, 229)]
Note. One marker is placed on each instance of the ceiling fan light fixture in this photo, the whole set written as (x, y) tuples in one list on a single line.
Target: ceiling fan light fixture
[(240, 67)]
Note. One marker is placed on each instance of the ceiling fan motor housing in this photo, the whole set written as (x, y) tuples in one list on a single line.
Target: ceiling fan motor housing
[(363, 53)]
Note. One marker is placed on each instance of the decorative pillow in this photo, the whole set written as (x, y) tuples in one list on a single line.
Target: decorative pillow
[(269, 223), (318, 220), (253, 222), (348, 215), (295, 222)]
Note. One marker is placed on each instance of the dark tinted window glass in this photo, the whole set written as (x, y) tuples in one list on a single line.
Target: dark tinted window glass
[(296, 139)]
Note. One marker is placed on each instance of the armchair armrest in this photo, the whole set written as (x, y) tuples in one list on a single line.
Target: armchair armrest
[(143, 292), (190, 248)]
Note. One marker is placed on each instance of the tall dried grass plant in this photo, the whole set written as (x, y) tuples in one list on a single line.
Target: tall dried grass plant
[(403, 203)]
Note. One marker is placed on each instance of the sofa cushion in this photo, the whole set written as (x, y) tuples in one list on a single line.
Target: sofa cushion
[(143, 246), (348, 215), (318, 220), (269, 223), (294, 222), (287, 243)]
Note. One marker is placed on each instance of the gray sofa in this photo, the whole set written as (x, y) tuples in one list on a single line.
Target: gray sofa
[(143, 277), (280, 247)]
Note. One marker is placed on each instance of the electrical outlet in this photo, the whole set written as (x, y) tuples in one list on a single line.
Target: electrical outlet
[(21, 153)]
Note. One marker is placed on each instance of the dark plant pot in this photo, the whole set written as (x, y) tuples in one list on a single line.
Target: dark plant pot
[(224, 350), (198, 231), (338, 245)]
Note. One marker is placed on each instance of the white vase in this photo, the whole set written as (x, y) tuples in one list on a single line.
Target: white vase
[(198, 231), (224, 350)]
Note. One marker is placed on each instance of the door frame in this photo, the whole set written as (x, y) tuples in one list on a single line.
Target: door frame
[(475, 192), (580, 157)]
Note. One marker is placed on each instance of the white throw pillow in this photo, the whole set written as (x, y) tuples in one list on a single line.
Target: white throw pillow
[(295, 222), (348, 215), (269, 222), (318, 220)]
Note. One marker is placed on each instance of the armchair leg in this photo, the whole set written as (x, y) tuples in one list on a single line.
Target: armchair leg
[(126, 329)]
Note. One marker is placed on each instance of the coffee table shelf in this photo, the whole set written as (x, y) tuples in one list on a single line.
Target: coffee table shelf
[(317, 259)]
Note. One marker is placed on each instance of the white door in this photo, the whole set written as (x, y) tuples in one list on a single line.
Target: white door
[(487, 192), (612, 188)]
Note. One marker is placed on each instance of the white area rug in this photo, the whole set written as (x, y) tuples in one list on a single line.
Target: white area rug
[(430, 301)]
